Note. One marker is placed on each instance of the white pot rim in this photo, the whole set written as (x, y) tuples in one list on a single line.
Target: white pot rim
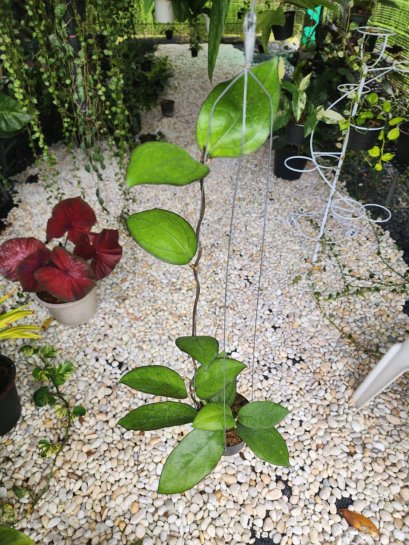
[(63, 305), (367, 129)]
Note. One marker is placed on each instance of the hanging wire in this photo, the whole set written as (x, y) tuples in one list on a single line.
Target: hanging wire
[(249, 28)]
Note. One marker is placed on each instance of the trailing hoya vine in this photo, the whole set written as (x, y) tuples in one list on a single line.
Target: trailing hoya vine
[(219, 415)]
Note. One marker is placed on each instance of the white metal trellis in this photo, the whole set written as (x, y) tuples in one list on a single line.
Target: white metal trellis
[(344, 209)]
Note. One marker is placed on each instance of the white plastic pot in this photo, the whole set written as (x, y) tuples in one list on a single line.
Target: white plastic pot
[(164, 11), (74, 313)]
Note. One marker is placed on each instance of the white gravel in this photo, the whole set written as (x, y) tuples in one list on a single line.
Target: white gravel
[(103, 492)]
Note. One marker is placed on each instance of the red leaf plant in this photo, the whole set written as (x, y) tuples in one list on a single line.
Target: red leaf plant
[(65, 276)]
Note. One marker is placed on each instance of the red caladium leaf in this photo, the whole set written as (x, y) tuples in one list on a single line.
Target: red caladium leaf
[(73, 216), (14, 251), (29, 265), (103, 248), (70, 279)]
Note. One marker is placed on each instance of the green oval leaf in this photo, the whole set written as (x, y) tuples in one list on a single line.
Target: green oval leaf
[(375, 151), (261, 414), (9, 536), (214, 416), (12, 118), (226, 125), (200, 347), (163, 163), (210, 379), (393, 134), (268, 445), (43, 397), (225, 395), (193, 458), (387, 156), (158, 415), (164, 234), (157, 380)]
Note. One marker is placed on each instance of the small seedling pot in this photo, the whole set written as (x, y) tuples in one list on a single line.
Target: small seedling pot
[(10, 408), (234, 444), (294, 133), (402, 152), (74, 313), (280, 168), (164, 11), (194, 51), (169, 33), (286, 31), (234, 449), (363, 138), (167, 107), (370, 43)]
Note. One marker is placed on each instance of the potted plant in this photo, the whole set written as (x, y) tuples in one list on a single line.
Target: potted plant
[(362, 9), (219, 417), (222, 420), (10, 408), (280, 21), (300, 111), (366, 126), (168, 107), (9, 536), (194, 37), (402, 152), (63, 280)]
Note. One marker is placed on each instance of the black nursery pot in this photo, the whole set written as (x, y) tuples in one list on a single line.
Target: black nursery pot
[(370, 43), (167, 107), (360, 19), (294, 134), (363, 139), (194, 52), (402, 152), (280, 168), (10, 408), (169, 34), (286, 31)]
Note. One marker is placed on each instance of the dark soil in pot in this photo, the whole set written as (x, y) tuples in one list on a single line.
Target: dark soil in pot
[(234, 443), (10, 408), (286, 31)]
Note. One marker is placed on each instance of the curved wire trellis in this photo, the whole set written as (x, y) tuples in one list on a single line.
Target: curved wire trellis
[(345, 210)]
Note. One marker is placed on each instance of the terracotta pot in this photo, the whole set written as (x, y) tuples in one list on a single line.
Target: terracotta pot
[(74, 313), (10, 408)]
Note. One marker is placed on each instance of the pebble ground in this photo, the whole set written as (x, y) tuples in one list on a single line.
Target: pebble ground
[(104, 490)]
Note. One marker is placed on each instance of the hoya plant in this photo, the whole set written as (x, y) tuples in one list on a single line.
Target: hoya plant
[(218, 415)]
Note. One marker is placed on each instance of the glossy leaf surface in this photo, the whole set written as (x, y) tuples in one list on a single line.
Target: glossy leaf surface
[(210, 379), (164, 234), (261, 414), (226, 124), (163, 163), (158, 415), (191, 460), (214, 416), (268, 445), (12, 118), (73, 217), (227, 395), (201, 348), (218, 14), (9, 536), (157, 380), (14, 251)]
